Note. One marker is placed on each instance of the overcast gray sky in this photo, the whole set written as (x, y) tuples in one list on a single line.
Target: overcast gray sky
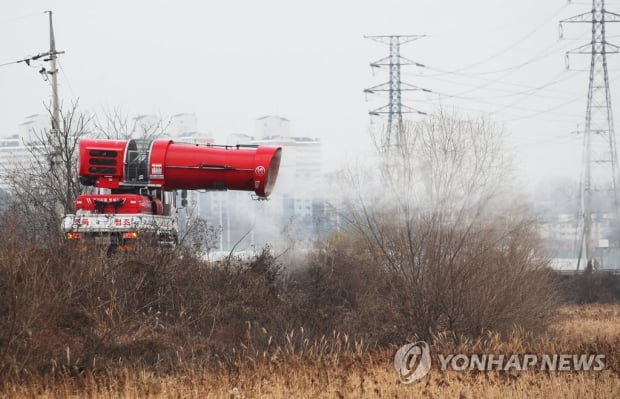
[(231, 62)]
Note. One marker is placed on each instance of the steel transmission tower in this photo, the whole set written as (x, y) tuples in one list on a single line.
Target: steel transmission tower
[(394, 87), (600, 163)]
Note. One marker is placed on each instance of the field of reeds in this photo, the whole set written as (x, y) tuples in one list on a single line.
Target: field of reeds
[(334, 367), (434, 246), (158, 322)]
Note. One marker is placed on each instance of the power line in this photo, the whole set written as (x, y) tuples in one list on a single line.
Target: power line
[(515, 117), (546, 111), (541, 55), (14, 19), (27, 60), (66, 78), (531, 91), (511, 93), (528, 95), (512, 45), (546, 52)]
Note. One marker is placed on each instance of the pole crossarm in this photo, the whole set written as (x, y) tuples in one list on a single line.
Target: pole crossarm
[(585, 17), (388, 61), (611, 16), (607, 48), (404, 109), (386, 39), (403, 87), (593, 16)]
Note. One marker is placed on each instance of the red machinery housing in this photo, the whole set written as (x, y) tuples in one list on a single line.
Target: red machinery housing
[(140, 174), (119, 164)]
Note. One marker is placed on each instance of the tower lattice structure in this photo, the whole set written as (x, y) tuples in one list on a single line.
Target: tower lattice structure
[(394, 87), (599, 175)]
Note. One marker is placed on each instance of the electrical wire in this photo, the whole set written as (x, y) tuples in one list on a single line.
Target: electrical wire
[(555, 107), (14, 19), (511, 93), (512, 105), (531, 94), (513, 117), (10, 63), (26, 60), (512, 45), (546, 52), (437, 101), (531, 90), (524, 96), (541, 55), (66, 77), (541, 91), (482, 86), (509, 115)]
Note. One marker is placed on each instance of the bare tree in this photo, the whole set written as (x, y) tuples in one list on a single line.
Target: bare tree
[(438, 214), (116, 124), (45, 188)]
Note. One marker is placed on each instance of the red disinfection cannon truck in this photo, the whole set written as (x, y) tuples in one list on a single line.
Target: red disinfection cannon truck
[(135, 183)]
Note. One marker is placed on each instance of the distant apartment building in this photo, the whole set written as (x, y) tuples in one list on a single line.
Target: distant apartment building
[(16, 151), (561, 228), (33, 127), (563, 234), (271, 126), (13, 151), (183, 124), (298, 188)]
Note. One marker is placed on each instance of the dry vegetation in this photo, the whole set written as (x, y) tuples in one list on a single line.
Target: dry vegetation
[(157, 323), (434, 248), (351, 372), (588, 323)]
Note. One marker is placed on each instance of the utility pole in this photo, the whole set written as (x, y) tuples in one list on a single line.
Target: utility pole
[(600, 161), (55, 156), (51, 55), (54, 74), (394, 87)]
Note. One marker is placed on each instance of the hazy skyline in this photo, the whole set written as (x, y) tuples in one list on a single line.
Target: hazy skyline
[(232, 62)]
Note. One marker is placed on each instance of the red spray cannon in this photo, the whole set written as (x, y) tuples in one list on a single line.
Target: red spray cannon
[(127, 164)]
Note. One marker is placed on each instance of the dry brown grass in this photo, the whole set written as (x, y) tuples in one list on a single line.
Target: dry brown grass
[(586, 323), (330, 381), (355, 373)]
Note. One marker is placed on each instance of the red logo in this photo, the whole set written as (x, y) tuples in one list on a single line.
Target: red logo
[(260, 171)]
